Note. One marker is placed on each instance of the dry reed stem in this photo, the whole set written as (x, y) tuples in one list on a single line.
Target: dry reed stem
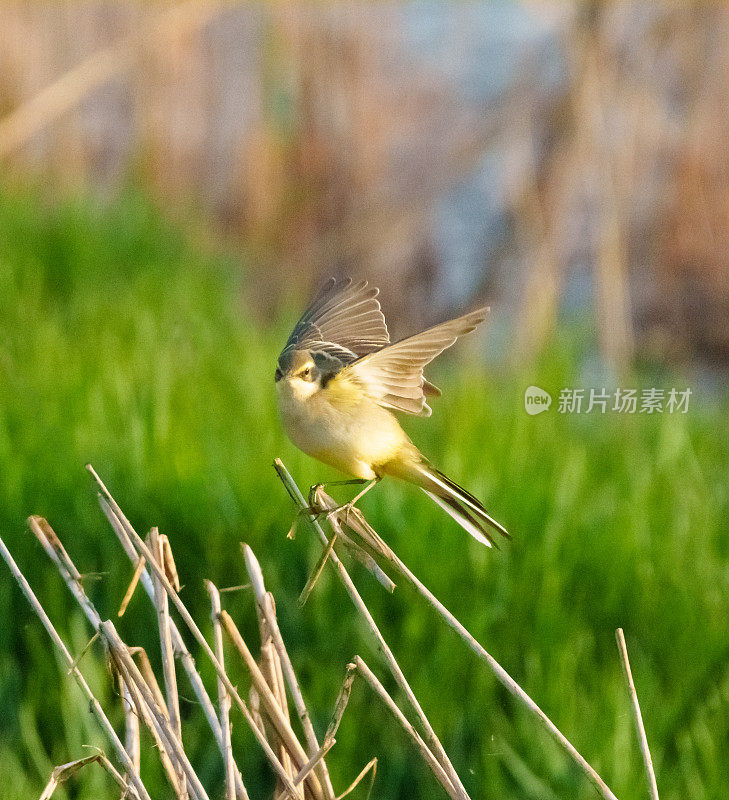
[(354, 595), (144, 713), (65, 771), (341, 703), (266, 605), (132, 586), (425, 751), (142, 549), (270, 703), (181, 649), (270, 666), (94, 705), (500, 673), (71, 576), (637, 716), (314, 761), (131, 725), (371, 765), (168, 658), (125, 664), (317, 571), (223, 697)]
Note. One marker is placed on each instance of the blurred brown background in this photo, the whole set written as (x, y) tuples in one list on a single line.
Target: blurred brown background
[(553, 158)]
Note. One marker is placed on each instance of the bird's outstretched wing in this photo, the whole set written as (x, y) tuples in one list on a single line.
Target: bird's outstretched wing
[(393, 375), (344, 320)]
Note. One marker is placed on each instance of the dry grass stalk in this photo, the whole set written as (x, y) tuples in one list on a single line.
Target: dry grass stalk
[(266, 606), (223, 697), (425, 751), (433, 741), (270, 702), (270, 666), (637, 716), (142, 549), (58, 554), (158, 549), (132, 586), (137, 786), (131, 726), (65, 771), (181, 650), (371, 765), (124, 664), (358, 524), (142, 712), (341, 703)]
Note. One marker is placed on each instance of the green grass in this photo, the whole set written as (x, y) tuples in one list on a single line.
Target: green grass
[(124, 345)]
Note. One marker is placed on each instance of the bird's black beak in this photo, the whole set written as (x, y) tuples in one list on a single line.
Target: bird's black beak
[(279, 374)]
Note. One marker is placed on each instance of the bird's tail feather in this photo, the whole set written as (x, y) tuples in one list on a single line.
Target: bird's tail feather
[(466, 509)]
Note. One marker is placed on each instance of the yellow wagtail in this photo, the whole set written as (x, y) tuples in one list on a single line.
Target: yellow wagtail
[(338, 380)]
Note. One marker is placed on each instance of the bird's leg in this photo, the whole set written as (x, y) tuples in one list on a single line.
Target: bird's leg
[(314, 488), (347, 507)]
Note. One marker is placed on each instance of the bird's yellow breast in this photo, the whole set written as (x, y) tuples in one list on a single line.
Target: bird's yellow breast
[(342, 427)]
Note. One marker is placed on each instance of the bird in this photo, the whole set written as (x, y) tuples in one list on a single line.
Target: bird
[(339, 379)]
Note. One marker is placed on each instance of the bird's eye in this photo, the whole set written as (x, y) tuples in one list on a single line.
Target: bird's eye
[(307, 372)]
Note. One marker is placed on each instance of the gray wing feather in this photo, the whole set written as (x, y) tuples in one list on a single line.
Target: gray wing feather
[(344, 319), (393, 376)]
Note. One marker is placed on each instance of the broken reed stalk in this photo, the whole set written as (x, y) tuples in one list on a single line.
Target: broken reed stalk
[(186, 659), (425, 751), (142, 549), (223, 697), (144, 713), (161, 603), (433, 741), (266, 606), (273, 709), (94, 706), (72, 578), (65, 771), (637, 716), (131, 726), (124, 663), (500, 673)]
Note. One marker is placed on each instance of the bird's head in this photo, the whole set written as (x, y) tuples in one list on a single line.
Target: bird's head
[(302, 373)]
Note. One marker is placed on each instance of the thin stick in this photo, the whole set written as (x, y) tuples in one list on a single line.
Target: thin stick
[(142, 712), (372, 765), (317, 571), (267, 608), (223, 697), (65, 771), (132, 586), (314, 761), (354, 595), (192, 625), (279, 721), (342, 699), (125, 664), (642, 739), (131, 725), (186, 659), (425, 751), (168, 657), (500, 673), (94, 705)]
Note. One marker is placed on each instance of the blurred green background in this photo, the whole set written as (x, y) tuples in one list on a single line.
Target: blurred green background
[(127, 345), (167, 207)]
